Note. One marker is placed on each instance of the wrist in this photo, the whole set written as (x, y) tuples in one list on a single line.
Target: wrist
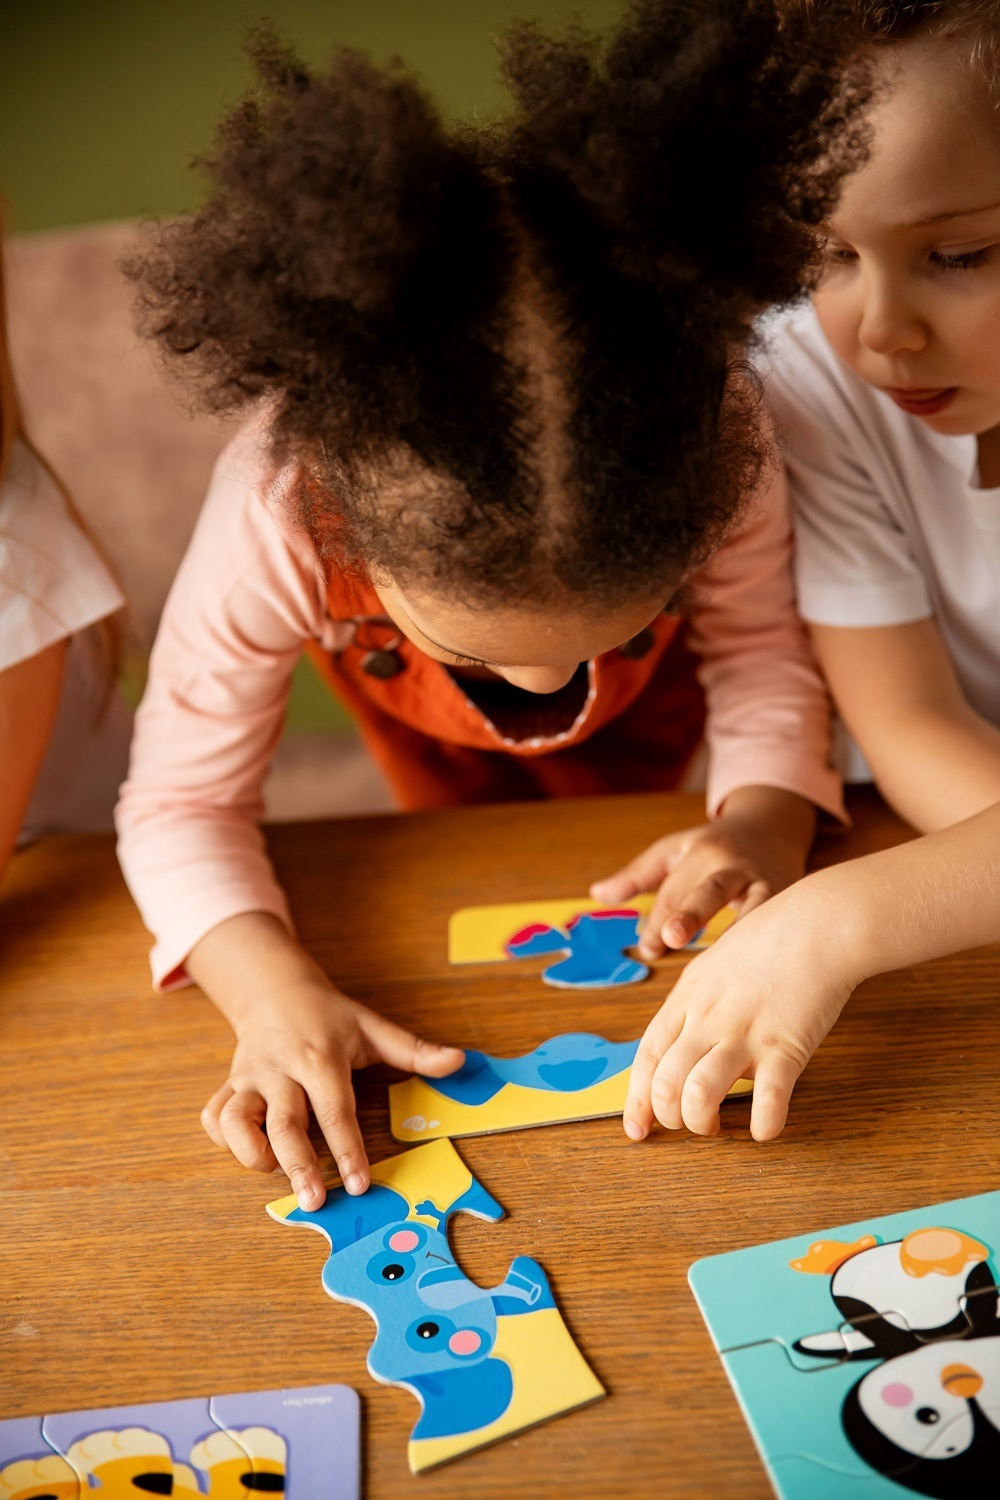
[(830, 914), (780, 816)]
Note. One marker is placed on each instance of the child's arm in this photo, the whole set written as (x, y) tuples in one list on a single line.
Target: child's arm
[(768, 734), (759, 1003), (248, 593), (934, 759), (29, 698)]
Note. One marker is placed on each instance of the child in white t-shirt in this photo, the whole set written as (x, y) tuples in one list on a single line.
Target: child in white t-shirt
[(63, 738), (886, 391)]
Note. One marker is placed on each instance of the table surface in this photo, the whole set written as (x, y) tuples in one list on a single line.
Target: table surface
[(136, 1260)]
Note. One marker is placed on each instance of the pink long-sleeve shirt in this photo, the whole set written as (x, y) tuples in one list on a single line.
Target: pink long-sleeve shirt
[(251, 592)]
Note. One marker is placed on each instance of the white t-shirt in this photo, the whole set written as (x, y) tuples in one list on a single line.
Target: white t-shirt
[(890, 522), (53, 585)]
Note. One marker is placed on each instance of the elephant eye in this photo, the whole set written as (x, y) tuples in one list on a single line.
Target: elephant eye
[(427, 1331), (928, 1415), (393, 1272)]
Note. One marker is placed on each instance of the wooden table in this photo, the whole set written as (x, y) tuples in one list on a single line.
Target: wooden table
[(137, 1263)]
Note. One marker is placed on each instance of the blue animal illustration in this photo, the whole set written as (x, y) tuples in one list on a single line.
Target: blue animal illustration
[(436, 1328), (592, 944), (562, 1065)]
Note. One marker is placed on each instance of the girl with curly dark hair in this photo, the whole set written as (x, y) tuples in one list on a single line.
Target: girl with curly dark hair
[(886, 391), (502, 417)]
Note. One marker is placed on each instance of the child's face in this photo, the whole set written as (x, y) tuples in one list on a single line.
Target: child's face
[(911, 295), (535, 650)]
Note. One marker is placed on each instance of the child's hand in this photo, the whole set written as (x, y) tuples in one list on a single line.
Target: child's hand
[(756, 1005), (755, 849), (297, 1050)]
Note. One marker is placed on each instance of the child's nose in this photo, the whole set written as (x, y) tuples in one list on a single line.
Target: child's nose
[(539, 679), (890, 323)]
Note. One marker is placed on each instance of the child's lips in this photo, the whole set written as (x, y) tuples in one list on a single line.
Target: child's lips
[(922, 401)]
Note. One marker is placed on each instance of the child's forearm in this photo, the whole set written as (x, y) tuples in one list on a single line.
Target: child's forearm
[(246, 961), (911, 748), (29, 698), (939, 894), (778, 812)]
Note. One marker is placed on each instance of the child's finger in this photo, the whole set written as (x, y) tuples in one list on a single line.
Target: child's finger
[(708, 1083), (241, 1121), (332, 1100), (660, 1033), (686, 900), (212, 1110), (773, 1082), (670, 1078), (643, 873), (756, 893), (411, 1054), (287, 1125)]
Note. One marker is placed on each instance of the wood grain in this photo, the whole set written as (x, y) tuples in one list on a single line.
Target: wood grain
[(137, 1263)]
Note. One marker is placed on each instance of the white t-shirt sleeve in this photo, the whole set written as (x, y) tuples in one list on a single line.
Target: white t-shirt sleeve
[(854, 565), (52, 581)]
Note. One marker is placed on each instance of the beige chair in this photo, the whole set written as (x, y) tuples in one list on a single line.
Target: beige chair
[(138, 464)]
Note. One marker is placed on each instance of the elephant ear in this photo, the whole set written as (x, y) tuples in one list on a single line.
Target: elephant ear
[(463, 1399)]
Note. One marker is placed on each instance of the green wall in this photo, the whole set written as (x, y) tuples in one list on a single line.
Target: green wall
[(104, 102)]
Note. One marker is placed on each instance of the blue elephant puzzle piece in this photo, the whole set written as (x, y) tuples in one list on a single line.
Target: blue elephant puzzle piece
[(593, 943), (436, 1329), (562, 1065)]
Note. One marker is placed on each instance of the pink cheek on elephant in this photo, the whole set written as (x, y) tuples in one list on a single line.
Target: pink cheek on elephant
[(464, 1342), (404, 1239), (896, 1394)]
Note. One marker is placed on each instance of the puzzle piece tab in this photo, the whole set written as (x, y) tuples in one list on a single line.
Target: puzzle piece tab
[(913, 1397), (576, 1076), (589, 938), (483, 1363)]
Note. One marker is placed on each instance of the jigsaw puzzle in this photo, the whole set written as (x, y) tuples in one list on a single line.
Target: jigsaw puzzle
[(303, 1442), (590, 940), (483, 1363), (576, 1076), (868, 1359)]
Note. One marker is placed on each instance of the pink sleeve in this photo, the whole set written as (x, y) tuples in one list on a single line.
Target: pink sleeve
[(769, 713), (247, 595)]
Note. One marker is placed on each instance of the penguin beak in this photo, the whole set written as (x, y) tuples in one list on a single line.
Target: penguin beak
[(961, 1380)]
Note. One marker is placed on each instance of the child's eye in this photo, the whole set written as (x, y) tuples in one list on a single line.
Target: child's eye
[(965, 261)]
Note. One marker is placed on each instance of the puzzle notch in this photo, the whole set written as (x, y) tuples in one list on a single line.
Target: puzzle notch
[(483, 1363)]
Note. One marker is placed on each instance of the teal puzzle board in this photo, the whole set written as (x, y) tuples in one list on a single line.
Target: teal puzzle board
[(866, 1358)]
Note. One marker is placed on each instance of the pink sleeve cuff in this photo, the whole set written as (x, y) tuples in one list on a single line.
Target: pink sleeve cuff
[(778, 765), (190, 924)]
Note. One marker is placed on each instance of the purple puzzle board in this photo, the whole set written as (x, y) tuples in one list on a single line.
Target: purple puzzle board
[(302, 1442)]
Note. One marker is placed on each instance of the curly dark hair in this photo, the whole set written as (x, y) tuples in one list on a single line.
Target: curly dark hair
[(359, 266)]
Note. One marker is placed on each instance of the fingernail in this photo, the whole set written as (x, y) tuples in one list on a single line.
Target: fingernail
[(634, 1130), (677, 932), (355, 1183), (308, 1198)]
